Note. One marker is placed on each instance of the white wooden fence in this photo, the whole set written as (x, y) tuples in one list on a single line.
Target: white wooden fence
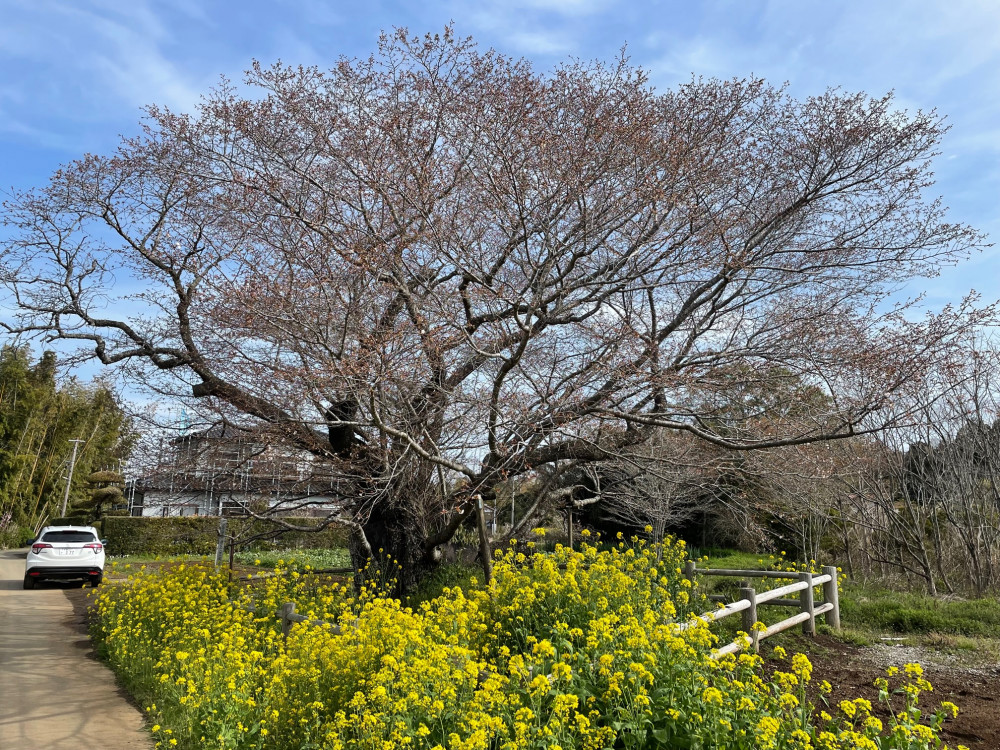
[(750, 600)]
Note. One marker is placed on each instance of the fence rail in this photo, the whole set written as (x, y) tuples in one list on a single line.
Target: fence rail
[(749, 600)]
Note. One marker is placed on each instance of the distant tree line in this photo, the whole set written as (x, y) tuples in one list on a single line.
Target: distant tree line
[(917, 503), (40, 413)]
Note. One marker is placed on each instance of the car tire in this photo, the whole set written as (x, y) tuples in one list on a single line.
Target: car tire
[(95, 581), (29, 583)]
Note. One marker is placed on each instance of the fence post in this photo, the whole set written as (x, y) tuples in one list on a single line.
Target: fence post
[(807, 604), (287, 609), (220, 544), (750, 614), (484, 540), (690, 568), (831, 595)]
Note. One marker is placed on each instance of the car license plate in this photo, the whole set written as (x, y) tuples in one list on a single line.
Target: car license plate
[(66, 552)]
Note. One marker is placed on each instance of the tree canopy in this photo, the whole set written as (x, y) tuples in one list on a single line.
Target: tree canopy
[(439, 261)]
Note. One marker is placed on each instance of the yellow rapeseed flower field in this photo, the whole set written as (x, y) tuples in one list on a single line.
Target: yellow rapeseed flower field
[(571, 649)]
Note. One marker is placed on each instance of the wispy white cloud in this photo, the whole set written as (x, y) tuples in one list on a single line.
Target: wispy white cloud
[(13, 126), (296, 49), (545, 28), (118, 55), (564, 7), (874, 46), (321, 13), (539, 42)]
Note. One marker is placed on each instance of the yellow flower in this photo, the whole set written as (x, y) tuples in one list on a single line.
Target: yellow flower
[(802, 667), (713, 696), (529, 662)]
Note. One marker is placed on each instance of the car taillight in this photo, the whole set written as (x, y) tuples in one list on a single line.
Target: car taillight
[(95, 546), (36, 548)]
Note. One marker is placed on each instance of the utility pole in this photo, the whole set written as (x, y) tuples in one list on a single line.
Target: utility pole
[(69, 478)]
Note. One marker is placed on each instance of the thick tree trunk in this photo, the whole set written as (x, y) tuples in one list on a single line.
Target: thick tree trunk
[(398, 560)]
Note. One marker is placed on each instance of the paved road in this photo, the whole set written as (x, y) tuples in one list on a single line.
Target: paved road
[(54, 695)]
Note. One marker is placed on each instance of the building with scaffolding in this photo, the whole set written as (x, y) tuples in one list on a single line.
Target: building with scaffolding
[(228, 470)]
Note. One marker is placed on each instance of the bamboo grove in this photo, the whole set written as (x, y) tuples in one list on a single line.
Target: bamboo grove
[(39, 415)]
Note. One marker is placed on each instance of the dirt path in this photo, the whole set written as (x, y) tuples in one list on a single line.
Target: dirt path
[(975, 690), (54, 694)]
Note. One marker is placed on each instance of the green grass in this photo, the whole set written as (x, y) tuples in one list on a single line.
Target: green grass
[(730, 586), (728, 558), (336, 557), (855, 636), (129, 559), (903, 612)]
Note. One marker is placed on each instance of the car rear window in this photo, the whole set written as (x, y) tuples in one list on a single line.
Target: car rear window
[(69, 536)]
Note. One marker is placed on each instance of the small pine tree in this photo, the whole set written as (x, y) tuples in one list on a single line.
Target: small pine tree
[(105, 492)]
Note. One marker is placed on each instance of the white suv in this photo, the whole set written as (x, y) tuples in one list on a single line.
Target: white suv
[(65, 553)]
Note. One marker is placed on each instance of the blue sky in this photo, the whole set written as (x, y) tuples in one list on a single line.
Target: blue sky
[(75, 73)]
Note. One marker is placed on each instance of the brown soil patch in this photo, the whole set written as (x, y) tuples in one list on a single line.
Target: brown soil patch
[(852, 670)]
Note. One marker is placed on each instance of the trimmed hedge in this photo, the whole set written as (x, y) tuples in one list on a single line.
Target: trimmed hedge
[(69, 521), (197, 535)]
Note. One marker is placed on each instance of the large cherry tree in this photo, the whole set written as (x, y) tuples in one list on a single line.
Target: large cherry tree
[(438, 269)]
